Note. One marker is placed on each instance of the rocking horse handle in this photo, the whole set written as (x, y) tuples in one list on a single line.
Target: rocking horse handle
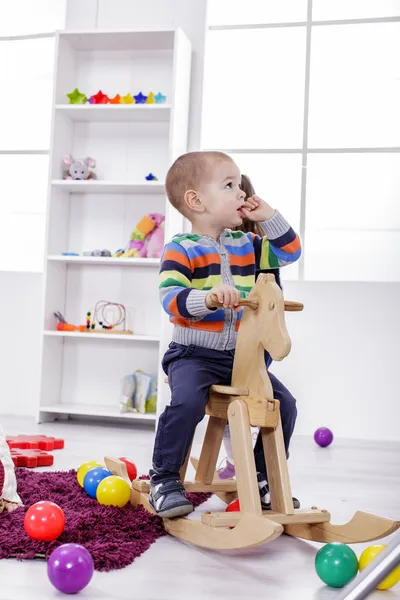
[(289, 305)]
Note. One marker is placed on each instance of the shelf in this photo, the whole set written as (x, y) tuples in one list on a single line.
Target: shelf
[(120, 40), (96, 411), (105, 261), (109, 187), (115, 112), (101, 336)]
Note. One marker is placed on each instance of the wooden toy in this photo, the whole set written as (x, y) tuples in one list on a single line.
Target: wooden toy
[(249, 402), (43, 442), (31, 458)]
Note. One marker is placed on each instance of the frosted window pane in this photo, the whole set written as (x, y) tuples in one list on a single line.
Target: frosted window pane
[(26, 93), (352, 256), (254, 89), (19, 17), (354, 9), (22, 241), (23, 184), (238, 12), (355, 86), (353, 191)]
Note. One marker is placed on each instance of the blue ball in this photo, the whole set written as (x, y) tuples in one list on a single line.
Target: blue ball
[(93, 478)]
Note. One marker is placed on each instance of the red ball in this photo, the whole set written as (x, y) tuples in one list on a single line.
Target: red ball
[(44, 521), (130, 466), (233, 506)]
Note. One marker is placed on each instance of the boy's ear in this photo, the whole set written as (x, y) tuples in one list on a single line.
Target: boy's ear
[(193, 202)]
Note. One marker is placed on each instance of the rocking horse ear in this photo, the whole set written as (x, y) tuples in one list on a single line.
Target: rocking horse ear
[(266, 277)]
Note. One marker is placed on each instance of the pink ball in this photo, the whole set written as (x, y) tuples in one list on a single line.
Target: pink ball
[(323, 437)]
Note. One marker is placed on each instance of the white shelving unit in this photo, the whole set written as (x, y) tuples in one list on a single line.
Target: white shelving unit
[(82, 372)]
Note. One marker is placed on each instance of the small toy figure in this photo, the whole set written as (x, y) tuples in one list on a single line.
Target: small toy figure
[(151, 177), (140, 98), (147, 239), (76, 97), (99, 98), (78, 169), (128, 99), (159, 98)]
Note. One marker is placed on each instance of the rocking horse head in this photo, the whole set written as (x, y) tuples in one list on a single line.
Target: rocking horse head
[(268, 317)]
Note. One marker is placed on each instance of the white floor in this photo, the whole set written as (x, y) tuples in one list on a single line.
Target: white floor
[(346, 477)]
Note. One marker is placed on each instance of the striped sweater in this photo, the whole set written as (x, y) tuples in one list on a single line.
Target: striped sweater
[(192, 264)]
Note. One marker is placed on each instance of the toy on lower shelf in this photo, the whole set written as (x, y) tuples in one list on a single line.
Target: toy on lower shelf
[(147, 239), (78, 169), (106, 323), (139, 393)]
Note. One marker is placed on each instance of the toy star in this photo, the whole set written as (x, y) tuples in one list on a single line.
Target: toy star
[(100, 98), (159, 98), (76, 97), (116, 99), (140, 99), (150, 98), (151, 177), (127, 99)]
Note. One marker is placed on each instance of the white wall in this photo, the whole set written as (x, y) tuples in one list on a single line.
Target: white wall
[(342, 368)]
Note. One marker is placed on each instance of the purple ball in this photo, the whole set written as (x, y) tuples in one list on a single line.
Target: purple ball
[(70, 568), (323, 436)]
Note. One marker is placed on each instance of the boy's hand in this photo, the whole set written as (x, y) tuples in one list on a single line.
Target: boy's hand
[(256, 209), (227, 295)]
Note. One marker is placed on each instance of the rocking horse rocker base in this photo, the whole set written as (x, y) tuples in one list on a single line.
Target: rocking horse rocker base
[(249, 402)]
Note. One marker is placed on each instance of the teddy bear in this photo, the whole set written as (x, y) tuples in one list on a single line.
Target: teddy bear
[(76, 168)]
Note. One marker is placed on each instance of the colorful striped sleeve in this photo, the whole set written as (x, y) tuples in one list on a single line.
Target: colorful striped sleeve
[(279, 247), (177, 296)]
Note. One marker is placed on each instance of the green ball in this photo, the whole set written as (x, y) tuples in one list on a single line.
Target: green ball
[(336, 564)]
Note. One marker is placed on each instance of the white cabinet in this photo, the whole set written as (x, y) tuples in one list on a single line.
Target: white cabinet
[(82, 372)]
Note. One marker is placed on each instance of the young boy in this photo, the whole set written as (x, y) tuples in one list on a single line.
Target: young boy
[(212, 259)]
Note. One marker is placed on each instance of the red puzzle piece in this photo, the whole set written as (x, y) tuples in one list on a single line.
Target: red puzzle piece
[(31, 458), (43, 442)]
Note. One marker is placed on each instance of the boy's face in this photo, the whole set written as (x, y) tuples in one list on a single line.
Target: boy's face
[(222, 196)]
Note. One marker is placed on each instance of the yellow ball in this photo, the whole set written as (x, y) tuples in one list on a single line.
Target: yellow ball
[(369, 554), (113, 491), (83, 469)]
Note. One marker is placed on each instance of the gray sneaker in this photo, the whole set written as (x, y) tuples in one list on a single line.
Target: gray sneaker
[(167, 497)]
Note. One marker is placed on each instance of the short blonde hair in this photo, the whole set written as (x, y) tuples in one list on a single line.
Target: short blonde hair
[(187, 173)]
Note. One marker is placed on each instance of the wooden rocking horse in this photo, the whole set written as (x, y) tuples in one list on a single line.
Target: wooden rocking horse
[(249, 402)]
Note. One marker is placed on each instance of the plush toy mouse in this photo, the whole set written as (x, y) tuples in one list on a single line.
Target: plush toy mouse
[(75, 168)]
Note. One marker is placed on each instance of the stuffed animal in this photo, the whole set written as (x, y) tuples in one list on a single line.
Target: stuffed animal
[(147, 239), (75, 168), (9, 499)]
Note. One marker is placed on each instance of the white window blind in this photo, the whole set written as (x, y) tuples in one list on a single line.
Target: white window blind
[(27, 39), (304, 95)]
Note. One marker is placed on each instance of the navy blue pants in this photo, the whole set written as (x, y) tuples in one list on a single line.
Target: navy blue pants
[(191, 371)]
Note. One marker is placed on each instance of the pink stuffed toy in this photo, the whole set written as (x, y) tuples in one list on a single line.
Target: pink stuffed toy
[(154, 242)]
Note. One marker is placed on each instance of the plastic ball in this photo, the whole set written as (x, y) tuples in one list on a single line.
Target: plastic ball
[(323, 437), (113, 491), (70, 568), (368, 555), (93, 478), (336, 564), (130, 467), (233, 506), (83, 469), (44, 521)]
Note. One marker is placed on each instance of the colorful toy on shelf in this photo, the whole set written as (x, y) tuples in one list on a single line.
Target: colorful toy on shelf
[(151, 177), (31, 458), (150, 98), (323, 437), (128, 99), (107, 323), (44, 521), (139, 393), (159, 98), (76, 97), (370, 554), (78, 169), (42, 442), (147, 239), (336, 564), (140, 98), (99, 98), (63, 325), (116, 99), (70, 568)]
